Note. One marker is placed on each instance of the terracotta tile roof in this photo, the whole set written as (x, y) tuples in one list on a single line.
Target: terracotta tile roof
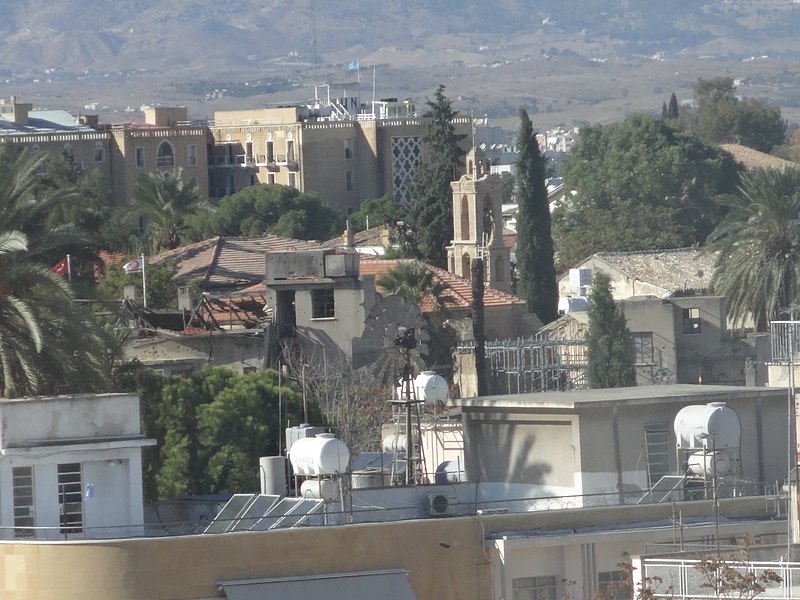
[(670, 270), (228, 262), (458, 288), (752, 159)]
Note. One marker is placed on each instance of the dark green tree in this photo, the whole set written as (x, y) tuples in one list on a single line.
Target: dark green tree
[(535, 263), (609, 341), (758, 265), (276, 209), (376, 212), (212, 427), (722, 117), (672, 108), (430, 218), (638, 185)]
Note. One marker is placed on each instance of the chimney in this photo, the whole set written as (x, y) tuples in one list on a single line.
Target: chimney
[(349, 238)]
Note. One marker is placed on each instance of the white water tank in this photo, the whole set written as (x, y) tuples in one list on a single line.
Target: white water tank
[(320, 489), (569, 304), (320, 455), (713, 426), (428, 387), (709, 464), (395, 442)]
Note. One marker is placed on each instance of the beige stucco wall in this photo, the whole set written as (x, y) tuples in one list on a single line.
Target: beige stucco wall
[(447, 559), (125, 172)]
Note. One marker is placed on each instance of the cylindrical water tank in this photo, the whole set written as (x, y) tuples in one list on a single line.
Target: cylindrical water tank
[(321, 455), (427, 387), (568, 304), (273, 475), (713, 426), (395, 442), (430, 387), (320, 489), (709, 464)]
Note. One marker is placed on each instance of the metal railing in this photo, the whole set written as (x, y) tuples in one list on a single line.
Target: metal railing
[(785, 341), (684, 578)]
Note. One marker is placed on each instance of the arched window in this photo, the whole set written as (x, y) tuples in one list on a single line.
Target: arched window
[(464, 218), (166, 155), (465, 270)]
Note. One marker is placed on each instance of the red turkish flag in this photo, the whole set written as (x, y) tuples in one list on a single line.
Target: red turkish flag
[(61, 267)]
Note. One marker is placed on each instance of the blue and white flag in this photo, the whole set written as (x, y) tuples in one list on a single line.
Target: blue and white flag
[(353, 66)]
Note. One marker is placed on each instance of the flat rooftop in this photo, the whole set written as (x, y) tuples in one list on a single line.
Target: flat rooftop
[(638, 395)]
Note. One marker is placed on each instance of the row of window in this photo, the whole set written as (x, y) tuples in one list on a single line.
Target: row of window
[(642, 342), (70, 499), (165, 155)]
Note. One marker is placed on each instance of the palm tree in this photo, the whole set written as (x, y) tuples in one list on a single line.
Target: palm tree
[(165, 202), (47, 343), (758, 265), (414, 281)]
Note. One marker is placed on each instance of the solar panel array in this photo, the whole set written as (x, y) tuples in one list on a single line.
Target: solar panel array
[(262, 512)]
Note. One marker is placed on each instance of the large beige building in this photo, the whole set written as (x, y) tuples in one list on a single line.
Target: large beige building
[(346, 151), (119, 153)]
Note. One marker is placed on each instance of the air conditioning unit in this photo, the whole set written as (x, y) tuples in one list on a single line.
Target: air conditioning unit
[(441, 505)]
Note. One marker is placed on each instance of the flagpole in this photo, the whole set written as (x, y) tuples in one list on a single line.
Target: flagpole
[(144, 283)]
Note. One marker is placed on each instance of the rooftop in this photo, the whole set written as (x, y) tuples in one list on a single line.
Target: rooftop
[(622, 396), (671, 270)]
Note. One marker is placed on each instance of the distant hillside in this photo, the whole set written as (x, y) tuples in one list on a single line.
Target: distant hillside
[(75, 35)]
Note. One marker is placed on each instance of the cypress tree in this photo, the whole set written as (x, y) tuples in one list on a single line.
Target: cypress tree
[(672, 109), (430, 217), (664, 111), (609, 340), (535, 253)]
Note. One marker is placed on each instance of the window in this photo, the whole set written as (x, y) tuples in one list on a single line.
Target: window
[(253, 179), (70, 498), (290, 151), (691, 320), (191, 155), (642, 348), (534, 588), (165, 157), (292, 179), (322, 306), (348, 148), (271, 178), (657, 444), (22, 482), (615, 584), (99, 153), (270, 151), (348, 180), (139, 158)]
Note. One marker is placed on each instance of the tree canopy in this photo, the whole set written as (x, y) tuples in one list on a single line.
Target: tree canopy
[(610, 359), (758, 265), (535, 266), (721, 116), (376, 212), (212, 427), (640, 184), (277, 209), (430, 216), (48, 343), (165, 202)]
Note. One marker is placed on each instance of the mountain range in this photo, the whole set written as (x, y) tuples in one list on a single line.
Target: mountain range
[(411, 44)]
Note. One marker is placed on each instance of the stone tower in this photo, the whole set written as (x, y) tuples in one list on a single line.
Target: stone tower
[(478, 224)]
